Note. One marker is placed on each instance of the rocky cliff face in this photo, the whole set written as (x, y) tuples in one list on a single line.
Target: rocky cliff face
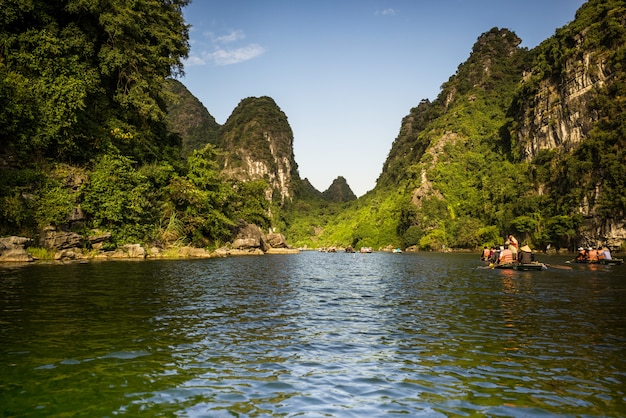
[(570, 102), (558, 115), (258, 145)]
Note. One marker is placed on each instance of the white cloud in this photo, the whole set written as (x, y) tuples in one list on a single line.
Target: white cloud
[(194, 60), (231, 37), (386, 12), (235, 56), (223, 50)]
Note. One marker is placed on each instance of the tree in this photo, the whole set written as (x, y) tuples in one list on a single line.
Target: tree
[(79, 76)]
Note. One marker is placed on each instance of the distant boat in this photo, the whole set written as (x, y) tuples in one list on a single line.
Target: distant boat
[(366, 249), (396, 250)]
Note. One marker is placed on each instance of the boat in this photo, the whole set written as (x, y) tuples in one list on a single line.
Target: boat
[(602, 261), (536, 266)]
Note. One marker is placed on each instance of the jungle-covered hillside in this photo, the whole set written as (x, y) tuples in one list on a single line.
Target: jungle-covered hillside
[(529, 142)]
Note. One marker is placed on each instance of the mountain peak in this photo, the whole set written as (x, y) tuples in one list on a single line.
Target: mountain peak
[(339, 191)]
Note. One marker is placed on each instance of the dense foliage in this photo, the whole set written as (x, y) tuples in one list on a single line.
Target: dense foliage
[(84, 143), (96, 135), (187, 117), (78, 77)]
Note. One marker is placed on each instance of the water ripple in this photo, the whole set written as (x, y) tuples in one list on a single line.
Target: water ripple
[(316, 335)]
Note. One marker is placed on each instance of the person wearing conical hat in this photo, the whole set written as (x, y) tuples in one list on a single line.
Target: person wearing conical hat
[(525, 255)]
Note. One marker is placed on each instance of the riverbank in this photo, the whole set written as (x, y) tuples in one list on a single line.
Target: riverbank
[(19, 250)]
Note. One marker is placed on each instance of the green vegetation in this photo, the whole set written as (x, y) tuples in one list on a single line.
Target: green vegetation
[(95, 134), (457, 175), (84, 141)]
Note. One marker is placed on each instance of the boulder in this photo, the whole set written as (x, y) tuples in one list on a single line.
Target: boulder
[(68, 254), (248, 236), (246, 243), (135, 251), (193, 252), (276, 240), (13, 249)]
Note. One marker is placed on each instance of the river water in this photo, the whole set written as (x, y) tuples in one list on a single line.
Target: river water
[(312, 335)]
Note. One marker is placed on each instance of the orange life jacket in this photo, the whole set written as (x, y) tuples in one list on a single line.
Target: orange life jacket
[(506, 256)]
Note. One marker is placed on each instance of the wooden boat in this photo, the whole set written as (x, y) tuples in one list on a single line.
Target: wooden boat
[(602, 261), (536, 266)]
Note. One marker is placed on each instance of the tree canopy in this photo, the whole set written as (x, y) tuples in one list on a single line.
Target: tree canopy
[(80, 76)]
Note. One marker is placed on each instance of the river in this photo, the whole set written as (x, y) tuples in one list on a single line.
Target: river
[(312, 335)]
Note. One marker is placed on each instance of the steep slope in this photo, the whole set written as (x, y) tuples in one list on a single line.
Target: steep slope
[(187, 117), (523, 142), (339, 191), (449, 152), (257, 144), (570, 115)]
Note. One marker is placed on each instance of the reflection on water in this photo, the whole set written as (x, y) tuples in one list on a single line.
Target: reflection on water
[(313, 334)]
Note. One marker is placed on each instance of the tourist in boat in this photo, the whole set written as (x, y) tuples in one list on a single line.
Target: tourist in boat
[(494, 255), (486, 254), (506, 256), (581, 256), (513, 245), (525, 255), (592, 255), (605, 254)]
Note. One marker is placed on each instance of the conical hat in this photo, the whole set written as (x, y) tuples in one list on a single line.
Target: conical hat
[(526, 249)]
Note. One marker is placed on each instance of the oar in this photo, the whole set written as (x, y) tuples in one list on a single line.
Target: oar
[(559, 267)]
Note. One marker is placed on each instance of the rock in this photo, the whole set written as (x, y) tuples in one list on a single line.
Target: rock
[(248, 236), (59, 240), (246, 243), (13, 249), (68, 254), (249, 251), (194, 252), (276, 240), (155, 252), (283, 251), (15, 255), (99, 237), (135, 251)]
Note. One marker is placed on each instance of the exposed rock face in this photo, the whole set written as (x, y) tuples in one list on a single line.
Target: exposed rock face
[(564, 99), (559, 116), (59, 240), (258, 145)]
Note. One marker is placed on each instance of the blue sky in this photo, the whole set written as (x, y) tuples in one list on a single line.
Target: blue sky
[(345, 72)]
